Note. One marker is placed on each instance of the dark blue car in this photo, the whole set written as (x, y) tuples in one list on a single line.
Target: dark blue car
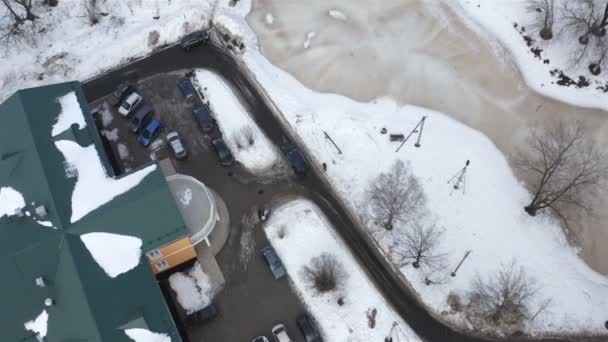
[(296, 158), (203, 117), (273, 261), (149, 133), (186, 87)]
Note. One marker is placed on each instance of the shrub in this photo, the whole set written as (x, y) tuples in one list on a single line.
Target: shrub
[(325, 273)]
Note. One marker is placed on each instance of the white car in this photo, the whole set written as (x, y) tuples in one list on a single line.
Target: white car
[(280, 333), (130, 103), (176, 145)]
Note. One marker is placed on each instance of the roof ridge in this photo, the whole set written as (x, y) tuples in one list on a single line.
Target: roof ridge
[(34, 143), (89, 307)]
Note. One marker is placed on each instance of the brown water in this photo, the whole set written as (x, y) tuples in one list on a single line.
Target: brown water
[(419, 52)]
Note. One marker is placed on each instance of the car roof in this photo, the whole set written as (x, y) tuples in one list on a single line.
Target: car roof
[(201, 109), (143, 111), (153, 124), (132, 96)]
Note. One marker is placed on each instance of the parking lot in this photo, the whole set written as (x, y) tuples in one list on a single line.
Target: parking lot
[(252, 301)]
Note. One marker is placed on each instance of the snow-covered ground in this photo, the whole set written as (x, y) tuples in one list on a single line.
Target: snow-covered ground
[(192, 288), (497, 18), (114, 253), (292, 229), (70, 49), (247, 142), (488, 219), (439, 64)]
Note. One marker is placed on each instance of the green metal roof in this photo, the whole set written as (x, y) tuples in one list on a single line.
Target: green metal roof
[(89, 305)]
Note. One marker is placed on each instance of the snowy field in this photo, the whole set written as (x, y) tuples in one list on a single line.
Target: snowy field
[(71, 49), (247, 142), (303, 225), (488, 219), (496, 18), (439, 64)]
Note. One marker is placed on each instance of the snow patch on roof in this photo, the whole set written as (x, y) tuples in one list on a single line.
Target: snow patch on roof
[(115, 253), (10, 200), (93, 187), (143, 335), (71, 113), (193, 289), (46, 224), (38, 325)]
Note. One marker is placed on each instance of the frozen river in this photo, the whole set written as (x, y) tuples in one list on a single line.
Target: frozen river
[(418, 52)]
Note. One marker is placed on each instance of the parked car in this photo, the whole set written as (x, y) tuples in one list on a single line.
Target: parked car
[(280, 333), (186, 87), (193, 39), (149, 133), (140, 119), (260, 339), (309, 328), (206, 314), (130, 103), (273, 261), (124, 88), (174, 141), (203, 118), (296, 158), (222, 151)]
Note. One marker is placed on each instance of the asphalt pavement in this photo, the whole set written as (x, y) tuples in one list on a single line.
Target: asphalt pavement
[(312, 186)]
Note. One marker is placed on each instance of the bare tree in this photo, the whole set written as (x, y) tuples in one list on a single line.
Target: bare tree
[(419, 244), (545, 16), (505, 297), (579, 17), (325, 273), (19, 12), (396, 196), (565, 168), (91, 11), (599, 58)]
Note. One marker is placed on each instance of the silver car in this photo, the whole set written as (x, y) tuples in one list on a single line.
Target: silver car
[(280, 333), (174, 141), (129, 104)]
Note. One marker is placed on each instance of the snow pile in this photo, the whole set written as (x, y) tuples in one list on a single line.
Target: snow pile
[(111, 135), (39, 325), (269, 19), (144, 335), (71, 113), (237, 125), (193, 289), (496, 19), (337, 14), (10, 201), (186, 196), (93, 187), (46, 224), (488, 219), (303, 226), (114, 253), (309, 37), (124, 33)]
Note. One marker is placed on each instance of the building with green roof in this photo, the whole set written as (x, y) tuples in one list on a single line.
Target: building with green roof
[(48, 267)]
